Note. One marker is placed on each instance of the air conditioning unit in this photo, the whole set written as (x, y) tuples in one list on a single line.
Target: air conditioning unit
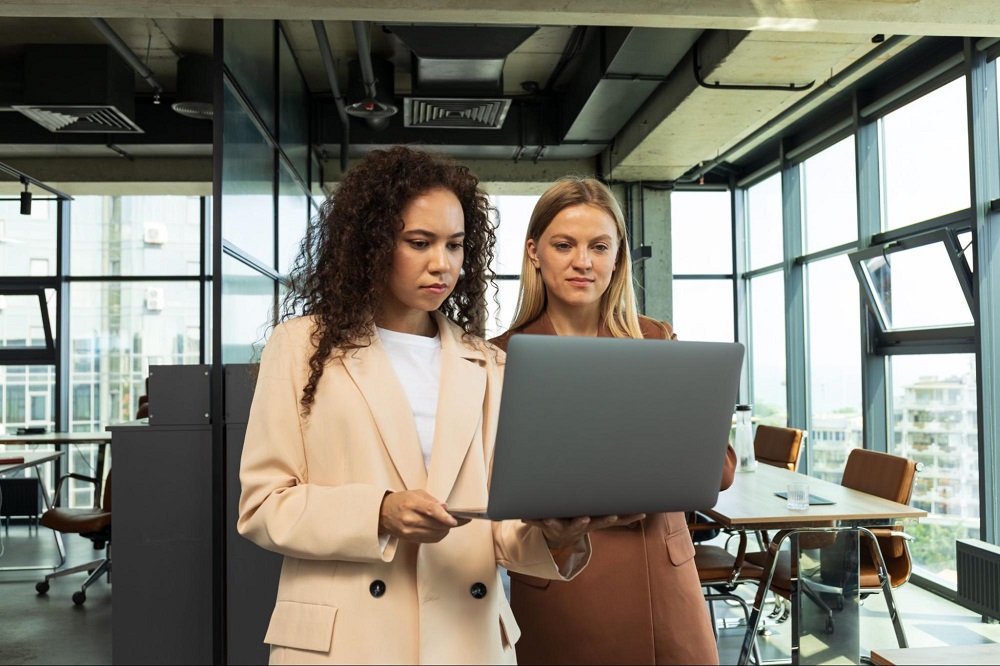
[(154, 233), (78, 88), (155, 299)]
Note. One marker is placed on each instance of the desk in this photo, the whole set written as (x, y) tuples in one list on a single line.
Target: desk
[(751, 504), (33, 459), (984, 653), (102, 439)]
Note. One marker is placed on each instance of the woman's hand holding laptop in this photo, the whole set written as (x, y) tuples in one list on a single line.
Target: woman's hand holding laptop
[(564, 532)]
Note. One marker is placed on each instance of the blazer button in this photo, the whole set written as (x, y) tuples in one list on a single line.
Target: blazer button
[(478, 591), (377, 588)]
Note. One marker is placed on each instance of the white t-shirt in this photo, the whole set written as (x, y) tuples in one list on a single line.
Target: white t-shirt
[(417, 362)]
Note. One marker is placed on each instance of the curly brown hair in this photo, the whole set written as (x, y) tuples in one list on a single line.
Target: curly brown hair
[(344, 260)]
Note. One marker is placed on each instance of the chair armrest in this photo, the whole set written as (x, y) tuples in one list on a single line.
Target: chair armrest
[(888, 533), (72, 475), (702, 527)]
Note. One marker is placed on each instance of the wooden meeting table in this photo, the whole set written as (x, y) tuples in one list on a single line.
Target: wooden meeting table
[(750, 504)]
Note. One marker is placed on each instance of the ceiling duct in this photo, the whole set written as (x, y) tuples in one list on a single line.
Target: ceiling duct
[(458, 74), (78, 89), (194, 87)]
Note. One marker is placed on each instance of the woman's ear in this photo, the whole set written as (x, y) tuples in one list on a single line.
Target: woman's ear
[(532, 249)]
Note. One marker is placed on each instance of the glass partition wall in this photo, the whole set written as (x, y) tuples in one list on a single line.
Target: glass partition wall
[(866, 322)]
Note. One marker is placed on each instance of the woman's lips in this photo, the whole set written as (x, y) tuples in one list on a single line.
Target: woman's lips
[(436, 289), (580, 282)]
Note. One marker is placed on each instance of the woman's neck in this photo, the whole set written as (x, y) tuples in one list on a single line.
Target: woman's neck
[(581, 321), (414, 322)]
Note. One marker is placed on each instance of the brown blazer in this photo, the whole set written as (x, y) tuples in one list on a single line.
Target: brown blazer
[(637, 602)]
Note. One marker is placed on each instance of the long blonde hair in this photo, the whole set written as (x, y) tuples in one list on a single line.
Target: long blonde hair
[(618, 308)]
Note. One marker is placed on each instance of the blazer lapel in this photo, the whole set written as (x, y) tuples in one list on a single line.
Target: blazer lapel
[(459, 410), (372, 372)]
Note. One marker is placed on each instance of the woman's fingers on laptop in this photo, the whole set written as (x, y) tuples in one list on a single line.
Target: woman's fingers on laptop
[(564, 532)]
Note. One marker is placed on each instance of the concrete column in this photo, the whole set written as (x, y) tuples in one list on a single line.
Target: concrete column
[(653, 211)]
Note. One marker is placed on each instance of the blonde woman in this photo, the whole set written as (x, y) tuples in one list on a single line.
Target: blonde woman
[(639, 600)]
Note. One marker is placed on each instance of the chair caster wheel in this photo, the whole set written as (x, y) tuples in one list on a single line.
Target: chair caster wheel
[(42, 587), (79, 598), (829, 625)]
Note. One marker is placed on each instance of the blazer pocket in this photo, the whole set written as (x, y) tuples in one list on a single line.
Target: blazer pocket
[(679, 548), (302, 626), (508, 625), (533, 581)]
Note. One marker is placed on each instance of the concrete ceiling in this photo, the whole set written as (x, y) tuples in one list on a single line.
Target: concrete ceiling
[(680, 125)]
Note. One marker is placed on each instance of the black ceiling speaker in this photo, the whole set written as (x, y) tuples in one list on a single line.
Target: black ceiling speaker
[(194, 87)]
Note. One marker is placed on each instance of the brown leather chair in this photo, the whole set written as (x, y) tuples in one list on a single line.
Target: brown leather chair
[(720, 572), (884, 562), (778, 447), (94, 524)]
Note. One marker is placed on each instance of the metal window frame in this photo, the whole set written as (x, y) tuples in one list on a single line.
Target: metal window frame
[(890, 338), (46, 355)]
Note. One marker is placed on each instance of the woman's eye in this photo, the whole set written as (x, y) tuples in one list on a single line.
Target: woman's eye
[(455, 246), (418, 244), (562, 246), (601, 247)]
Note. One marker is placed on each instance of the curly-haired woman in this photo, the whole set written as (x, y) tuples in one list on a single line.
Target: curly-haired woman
[(372, 412)]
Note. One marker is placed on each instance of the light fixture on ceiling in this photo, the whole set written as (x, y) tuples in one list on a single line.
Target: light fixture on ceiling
[(25, 199)]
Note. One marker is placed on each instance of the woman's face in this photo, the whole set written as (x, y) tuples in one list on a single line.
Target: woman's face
[(428, 255), (576, 255)]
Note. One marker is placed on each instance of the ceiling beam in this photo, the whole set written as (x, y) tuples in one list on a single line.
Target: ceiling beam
[(907, 17)]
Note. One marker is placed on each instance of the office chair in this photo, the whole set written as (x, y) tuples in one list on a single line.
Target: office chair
[(720, 572), (884, 562), (94, 524), (778, 447)]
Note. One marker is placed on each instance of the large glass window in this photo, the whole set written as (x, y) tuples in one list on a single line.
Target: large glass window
[(513, 215), (247, 184), (703, 310), (119, 329), (247, 310), (834, 342), (934, 422), (28, 242), (293, 217), (925, 157), (764, 230), (136, 235), (767, 348), (829, 197), (701, 233)]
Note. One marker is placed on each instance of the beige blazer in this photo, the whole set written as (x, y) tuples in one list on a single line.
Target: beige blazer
[(312, 489)]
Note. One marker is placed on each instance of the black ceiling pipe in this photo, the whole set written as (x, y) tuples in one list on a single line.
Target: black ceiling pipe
[(374, 111), (331, 74), (131, 58)]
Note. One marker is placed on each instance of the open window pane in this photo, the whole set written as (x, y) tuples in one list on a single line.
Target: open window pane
[(701, 233), (703, 310), (915, 287), (21, 320), (935, 422)]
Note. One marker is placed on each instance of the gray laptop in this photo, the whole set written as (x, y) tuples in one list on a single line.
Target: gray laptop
[(601, 426)]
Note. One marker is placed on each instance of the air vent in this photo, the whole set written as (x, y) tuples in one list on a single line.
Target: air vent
[(454, 113), (80, 119)]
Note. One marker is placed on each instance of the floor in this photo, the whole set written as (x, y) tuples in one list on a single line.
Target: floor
[(50, 629)]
